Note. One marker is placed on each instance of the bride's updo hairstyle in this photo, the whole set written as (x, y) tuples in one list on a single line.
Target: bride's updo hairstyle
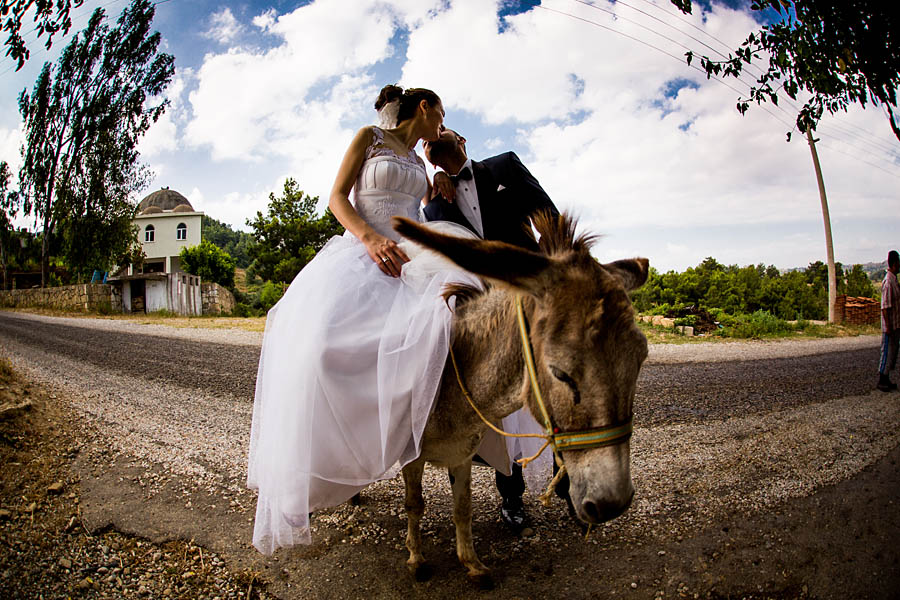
[(408, 100)]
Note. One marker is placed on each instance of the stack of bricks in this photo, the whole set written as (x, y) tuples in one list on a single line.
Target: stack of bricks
[(857, 311)]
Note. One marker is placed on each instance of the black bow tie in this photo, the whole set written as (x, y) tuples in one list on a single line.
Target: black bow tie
[(466, 173)]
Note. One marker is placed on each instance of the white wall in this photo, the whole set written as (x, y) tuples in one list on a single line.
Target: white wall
[(156, 296), (164, 224)]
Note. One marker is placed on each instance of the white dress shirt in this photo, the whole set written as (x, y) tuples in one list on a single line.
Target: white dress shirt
[(467, 200)]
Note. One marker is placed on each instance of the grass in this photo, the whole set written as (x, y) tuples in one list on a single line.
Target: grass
[(760, 329)]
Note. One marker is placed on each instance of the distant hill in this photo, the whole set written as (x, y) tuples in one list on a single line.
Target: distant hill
[(233, 242), (874, 270)]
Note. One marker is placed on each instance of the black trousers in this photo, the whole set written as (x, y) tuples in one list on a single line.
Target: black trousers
[(511, 487)]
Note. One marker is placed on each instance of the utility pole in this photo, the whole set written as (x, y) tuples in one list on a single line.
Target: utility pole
[(829, 245)]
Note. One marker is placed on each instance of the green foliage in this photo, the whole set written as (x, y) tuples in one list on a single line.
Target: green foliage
[(858, 283), (9, 204), (50, 17), (758, 324), (82, 123), (209, 262), (271, 293), (235, 243), (290, 234), (732, 290), (835, 52)]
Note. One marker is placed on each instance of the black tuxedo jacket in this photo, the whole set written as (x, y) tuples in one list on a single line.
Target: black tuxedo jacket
[(507, 195)]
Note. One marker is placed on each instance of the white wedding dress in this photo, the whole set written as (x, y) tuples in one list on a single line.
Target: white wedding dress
[(351, 363)]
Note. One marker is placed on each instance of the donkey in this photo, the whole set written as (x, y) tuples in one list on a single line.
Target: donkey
[(587, 354)]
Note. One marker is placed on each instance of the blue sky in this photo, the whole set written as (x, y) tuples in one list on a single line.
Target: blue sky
[(595, 98)]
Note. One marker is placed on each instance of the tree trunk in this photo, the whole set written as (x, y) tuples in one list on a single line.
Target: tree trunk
[(829, 245)]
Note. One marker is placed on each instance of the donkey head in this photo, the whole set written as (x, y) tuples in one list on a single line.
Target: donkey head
[(587, 349)]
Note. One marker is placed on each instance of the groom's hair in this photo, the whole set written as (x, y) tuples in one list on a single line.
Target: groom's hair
[(441, 149), (893, 258)]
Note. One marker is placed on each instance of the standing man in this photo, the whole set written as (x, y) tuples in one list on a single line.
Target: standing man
[(494, 198), (890, 323)]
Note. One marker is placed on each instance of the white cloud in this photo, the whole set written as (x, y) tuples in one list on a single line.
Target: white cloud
[(265, 20), (224, 28), (163, 136), (593, 114), (10, 142)]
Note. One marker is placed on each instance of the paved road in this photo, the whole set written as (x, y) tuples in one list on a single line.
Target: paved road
[(667, 393), (760, 468)]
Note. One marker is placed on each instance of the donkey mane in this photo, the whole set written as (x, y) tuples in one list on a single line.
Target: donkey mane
[(557, 237), (558, 234)]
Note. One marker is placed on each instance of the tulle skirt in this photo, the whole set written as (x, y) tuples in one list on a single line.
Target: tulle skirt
[(350, 366)]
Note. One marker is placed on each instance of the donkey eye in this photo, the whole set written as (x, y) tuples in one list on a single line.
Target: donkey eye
[(564, 377)]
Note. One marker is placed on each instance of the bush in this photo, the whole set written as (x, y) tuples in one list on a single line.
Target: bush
[(756, 325), (270, 294), (209, 262)]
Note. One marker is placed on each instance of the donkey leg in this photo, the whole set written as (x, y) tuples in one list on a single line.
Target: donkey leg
[(415, 508), (461, 477)]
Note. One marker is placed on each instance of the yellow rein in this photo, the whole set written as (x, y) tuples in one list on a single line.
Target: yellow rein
[(577, 440)]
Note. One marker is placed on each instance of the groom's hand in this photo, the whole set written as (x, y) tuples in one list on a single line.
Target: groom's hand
[(443, 186)]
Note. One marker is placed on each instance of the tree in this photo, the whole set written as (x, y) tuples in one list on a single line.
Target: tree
[(49, 17), (858, 283), (84, 119), (840, 52), (290, 235), (9, 203), (209, 262), (233, 242)]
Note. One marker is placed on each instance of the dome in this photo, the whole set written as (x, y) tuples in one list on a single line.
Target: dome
[(183, 208), (151, 210), (165, 199)]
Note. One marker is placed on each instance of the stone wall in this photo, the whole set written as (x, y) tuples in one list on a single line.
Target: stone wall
[(87, 297), (216, 300), (857, 311)]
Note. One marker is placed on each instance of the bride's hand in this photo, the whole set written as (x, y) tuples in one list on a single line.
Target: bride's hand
[(386, 253)]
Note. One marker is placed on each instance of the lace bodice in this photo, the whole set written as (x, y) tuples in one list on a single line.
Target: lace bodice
[(388, 185)]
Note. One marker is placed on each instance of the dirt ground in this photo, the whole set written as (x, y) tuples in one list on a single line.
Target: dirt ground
[(77, 522)]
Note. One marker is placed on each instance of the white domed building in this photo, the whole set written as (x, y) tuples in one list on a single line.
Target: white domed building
[(167, 223)]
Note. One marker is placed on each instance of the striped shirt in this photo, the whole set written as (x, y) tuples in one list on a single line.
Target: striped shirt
[(890, 300)]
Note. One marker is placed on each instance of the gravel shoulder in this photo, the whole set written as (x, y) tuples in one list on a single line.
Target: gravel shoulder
[(795, 501)]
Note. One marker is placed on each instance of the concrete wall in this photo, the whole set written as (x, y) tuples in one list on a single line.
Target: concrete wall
[(216, 299), (88, 297), (164, 245), (178, 292)]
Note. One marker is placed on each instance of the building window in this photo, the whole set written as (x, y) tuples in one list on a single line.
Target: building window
[(149, 233), (181, 232)]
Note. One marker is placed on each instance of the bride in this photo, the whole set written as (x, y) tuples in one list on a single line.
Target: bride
[(353, 353)]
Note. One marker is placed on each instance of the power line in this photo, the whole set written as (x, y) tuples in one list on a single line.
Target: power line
[(791, 125), (658, 49), (787, 100), (74, 18)]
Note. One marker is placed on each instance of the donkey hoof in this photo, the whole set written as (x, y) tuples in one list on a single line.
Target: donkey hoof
[(483, 581), (421, 572)]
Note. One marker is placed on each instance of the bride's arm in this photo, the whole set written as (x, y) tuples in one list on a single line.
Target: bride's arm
[(378, 247)]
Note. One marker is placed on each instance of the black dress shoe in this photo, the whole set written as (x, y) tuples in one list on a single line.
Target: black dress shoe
[(513, 514)]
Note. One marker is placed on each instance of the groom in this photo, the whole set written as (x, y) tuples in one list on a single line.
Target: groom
[(494, 198)]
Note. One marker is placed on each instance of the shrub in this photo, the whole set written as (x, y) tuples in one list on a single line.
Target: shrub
[(270, 294), (759, 324)]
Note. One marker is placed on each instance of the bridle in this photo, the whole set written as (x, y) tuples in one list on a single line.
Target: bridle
[(582, 439)]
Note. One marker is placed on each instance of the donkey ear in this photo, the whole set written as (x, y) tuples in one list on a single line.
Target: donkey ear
[(499, 261), (631, 272)]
